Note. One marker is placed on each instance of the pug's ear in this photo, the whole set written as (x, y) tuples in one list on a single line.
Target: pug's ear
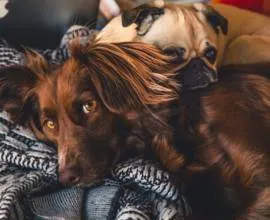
[(215, 19), (143, 15)]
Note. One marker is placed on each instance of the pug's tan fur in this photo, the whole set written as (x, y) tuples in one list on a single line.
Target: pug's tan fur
[(186, 25), (248, 39)]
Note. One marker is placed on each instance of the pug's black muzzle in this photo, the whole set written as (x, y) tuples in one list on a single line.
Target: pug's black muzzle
[(196, 74)]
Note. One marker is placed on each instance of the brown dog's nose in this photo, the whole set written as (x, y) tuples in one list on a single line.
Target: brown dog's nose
[(69, 176)]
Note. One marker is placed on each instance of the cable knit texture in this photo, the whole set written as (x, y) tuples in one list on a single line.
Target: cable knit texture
[(136, 189)]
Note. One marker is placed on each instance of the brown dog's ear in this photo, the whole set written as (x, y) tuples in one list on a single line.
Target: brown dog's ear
[(18, 99), (215, 19), (123, 80), (143, 15), (30, 116), (15, 82), (35, 61)]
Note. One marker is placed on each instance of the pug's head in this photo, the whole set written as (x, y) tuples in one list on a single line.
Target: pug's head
[(190, 32)]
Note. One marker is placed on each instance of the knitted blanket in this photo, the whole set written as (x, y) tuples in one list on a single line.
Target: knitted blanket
[(136, 189)]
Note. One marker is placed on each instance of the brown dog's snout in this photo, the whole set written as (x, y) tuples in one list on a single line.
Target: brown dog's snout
[(69, 176), (197, 75)]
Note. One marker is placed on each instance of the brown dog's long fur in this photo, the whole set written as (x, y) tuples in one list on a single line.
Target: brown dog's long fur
[(226, 132), (215, 139), (114, 77), (219, 144), (137, 75)]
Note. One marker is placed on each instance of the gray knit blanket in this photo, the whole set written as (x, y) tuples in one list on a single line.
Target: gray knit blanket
[(136, 189)]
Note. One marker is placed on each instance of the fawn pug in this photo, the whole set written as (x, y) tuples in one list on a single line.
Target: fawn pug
[(203, 36)]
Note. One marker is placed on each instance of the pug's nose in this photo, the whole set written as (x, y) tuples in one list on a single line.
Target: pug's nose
[(197, 75), (69, 176), (197, 64)]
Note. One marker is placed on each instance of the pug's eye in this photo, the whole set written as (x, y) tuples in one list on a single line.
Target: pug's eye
[(211, 54), (89, 107), (50, 124), (178, 52)]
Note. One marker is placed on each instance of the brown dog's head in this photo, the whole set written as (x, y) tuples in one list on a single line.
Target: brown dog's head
[(84, 107), (192, 32)]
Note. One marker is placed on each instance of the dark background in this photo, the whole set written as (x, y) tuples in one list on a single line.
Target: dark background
[(41, 23)]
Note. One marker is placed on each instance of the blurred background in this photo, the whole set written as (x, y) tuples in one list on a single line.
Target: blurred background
[(41, 24), (110, 8)]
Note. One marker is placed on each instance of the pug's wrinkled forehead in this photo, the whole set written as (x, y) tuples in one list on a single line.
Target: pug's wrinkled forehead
[(167, 25)]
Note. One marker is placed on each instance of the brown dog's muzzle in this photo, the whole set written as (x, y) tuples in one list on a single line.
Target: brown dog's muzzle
[(69, 175), (83, 166), (81, 173), (197, 75), (69, 168)]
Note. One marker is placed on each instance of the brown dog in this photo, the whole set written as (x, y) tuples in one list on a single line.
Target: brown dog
[(86, 107), (223, 139), (218, 142), (106, 98)]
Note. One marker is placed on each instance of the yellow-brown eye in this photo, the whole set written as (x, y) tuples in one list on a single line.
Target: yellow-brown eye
[(89, 107), (50, 124)]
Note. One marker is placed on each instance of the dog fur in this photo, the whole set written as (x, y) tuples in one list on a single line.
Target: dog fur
[(215, 139), (108, 81)]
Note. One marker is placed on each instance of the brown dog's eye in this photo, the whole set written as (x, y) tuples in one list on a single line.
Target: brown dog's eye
[(50, 124), (89, 107)]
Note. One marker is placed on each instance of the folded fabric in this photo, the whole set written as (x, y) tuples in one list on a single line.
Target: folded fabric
[(142, 191), (136, 189), (26, 165)]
